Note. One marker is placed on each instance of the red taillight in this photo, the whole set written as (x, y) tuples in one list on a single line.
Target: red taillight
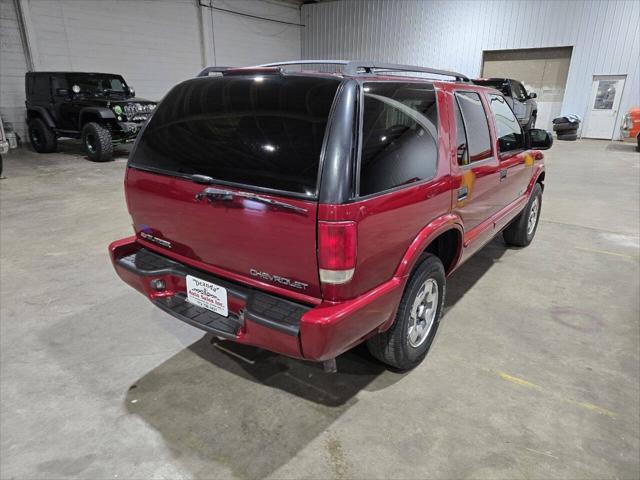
[(337, 247)]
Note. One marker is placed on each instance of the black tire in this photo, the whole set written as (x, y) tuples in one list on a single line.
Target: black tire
[(568, 136), (518, 232), (42, 138), (638, 146), (393, 346), (565, 127), (97, 142)]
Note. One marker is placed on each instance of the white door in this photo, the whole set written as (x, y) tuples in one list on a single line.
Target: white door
[(603, 107)]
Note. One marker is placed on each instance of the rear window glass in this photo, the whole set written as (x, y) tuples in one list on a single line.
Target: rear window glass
[(502, 85), (260, 131), (399, 135)]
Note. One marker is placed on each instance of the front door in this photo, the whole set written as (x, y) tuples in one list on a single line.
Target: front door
[(606, 93)]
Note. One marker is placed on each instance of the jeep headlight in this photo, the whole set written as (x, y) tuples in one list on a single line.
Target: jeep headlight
[(117, 110), (130, 110)]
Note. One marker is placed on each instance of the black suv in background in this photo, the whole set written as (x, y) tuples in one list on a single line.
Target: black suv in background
[(99, 108), (522, 103)]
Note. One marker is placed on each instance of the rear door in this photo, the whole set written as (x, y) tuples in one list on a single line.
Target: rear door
[(478, 196), (227, 172)]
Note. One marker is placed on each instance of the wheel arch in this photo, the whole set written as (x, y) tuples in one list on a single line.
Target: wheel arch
[(95, 114), (41, 113), (442, 237)]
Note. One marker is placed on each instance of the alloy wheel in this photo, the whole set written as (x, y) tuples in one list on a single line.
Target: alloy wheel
[(533, 216), (423, 313)]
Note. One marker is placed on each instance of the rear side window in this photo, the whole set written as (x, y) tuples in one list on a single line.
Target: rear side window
[(399, 136), (508, 129), (475, 125), (257, 131)]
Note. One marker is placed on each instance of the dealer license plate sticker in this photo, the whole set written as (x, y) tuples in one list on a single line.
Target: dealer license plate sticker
[(207, 295)]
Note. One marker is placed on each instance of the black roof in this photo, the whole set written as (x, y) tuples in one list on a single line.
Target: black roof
[(74, 73)]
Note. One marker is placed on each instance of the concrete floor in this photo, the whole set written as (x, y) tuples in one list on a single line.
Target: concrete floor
[(534, 374)]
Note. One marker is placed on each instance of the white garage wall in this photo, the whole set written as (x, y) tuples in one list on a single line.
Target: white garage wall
[(243, 40), (13, 64), (154, 44), (453, 34)]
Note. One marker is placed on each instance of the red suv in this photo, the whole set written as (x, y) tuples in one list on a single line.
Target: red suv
[(306, 212)]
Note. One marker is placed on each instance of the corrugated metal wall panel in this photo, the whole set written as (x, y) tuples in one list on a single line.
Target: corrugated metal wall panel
[(453, 34)]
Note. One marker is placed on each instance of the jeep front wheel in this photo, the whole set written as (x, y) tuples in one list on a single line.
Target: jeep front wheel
[(408, 340), (42, 138), (97, 142)]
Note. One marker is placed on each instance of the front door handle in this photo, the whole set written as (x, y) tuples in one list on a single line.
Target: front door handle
[(503, 174), (462, 193)]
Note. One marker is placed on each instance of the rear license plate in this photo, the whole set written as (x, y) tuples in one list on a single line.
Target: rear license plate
[(207, 295)]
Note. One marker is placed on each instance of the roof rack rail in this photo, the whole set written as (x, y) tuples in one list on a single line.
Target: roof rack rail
[(207, 70), (358, 67), (353, 67), (306, 62), (239, 70)]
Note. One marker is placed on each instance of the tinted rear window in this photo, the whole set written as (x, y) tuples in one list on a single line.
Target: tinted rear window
[(399, 135), (261, 131)]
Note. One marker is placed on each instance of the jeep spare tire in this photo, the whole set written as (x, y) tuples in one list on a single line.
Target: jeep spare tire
[(97, 142), (42, 138)]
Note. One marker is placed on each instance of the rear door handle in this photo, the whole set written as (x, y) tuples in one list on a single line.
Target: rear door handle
[(462, 193), (503, 174)]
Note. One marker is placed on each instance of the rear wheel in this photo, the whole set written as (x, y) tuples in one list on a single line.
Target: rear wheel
[(97, 142), (42, 138), (522, 229), (638, 146), (408, 340)]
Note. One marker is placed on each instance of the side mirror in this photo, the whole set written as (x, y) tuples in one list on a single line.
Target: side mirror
[(533, 95), (62, 92), (132, 92), (75, 89), (539, 139)]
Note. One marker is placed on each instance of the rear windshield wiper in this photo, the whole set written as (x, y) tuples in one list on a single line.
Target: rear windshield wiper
[(213, 194)]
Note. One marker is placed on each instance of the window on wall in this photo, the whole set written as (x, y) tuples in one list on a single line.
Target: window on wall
[(508, 131), (399, 136), (475, 125)]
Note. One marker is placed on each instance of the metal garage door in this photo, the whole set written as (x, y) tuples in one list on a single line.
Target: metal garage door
[(542, 70)]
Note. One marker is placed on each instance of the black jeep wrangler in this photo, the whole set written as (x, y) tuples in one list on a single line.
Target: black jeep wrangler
[(99, 108)]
